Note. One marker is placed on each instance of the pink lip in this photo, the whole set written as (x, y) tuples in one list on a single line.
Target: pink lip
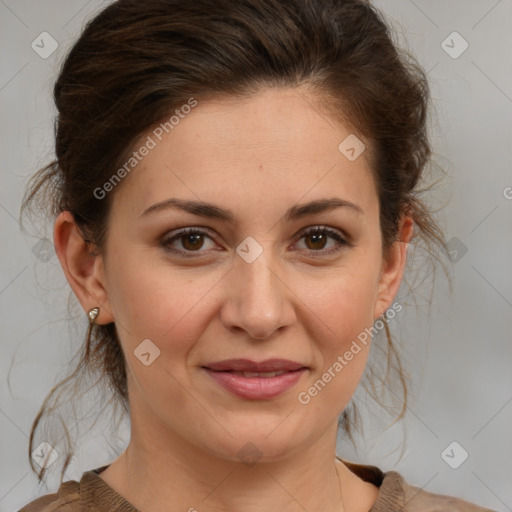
[(247, 365), (256, 388)]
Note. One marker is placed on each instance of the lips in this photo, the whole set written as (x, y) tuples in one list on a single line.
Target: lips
[(252, 380), (264, 375), (246, 365)]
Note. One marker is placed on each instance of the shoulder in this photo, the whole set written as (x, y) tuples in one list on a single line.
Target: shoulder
[(397, 494), (419, 500), (66, 499), (92, 494)]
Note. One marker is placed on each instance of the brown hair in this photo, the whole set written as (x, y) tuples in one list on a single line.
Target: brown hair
[(136, 62)]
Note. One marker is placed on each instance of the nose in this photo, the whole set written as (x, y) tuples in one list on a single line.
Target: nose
[(259, 300)]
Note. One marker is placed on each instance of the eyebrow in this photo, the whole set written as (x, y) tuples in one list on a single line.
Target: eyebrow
[(208, 210)]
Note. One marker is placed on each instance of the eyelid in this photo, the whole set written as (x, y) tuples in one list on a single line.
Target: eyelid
[(177, 233), (341, 237), (329, 230)]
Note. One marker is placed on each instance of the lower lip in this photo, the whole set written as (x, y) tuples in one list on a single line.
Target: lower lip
[(256, 388)]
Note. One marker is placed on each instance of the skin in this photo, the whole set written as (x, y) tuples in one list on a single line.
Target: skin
[(256, 156)]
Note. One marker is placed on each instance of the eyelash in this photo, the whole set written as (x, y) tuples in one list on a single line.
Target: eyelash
[(167, 241)]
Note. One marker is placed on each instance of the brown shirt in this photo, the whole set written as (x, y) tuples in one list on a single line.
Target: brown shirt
[(93, 494)]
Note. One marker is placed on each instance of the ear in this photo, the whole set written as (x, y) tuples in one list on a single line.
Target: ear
[(393, 266), (83, 268)]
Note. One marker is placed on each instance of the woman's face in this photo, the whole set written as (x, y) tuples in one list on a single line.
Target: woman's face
[(251, 282)]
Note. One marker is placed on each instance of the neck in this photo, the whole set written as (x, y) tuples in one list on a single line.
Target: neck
[(176, 476), (162, 471)]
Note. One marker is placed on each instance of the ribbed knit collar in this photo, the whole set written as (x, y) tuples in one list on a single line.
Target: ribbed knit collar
[(94, 490)]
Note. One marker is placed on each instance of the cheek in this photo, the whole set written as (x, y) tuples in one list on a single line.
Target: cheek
[(151, 300), (343, 310), (348, 343), (345, 303), (169, 308)]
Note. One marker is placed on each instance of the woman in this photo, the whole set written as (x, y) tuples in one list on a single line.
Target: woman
[(234, 192)]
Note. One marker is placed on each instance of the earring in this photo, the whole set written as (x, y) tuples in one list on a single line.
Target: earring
[(93, 314)]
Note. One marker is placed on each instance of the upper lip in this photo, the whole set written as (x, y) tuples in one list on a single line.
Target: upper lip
[(246, 365)]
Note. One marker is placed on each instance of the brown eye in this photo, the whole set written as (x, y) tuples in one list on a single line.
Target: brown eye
[(193, 240), (316, 240), (190, 240)]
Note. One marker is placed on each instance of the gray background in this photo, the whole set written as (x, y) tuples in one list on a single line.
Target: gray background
[(459, 357)]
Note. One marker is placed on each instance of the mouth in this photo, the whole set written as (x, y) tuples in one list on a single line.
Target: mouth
[(249, 366), (256, 380), (264, 375)]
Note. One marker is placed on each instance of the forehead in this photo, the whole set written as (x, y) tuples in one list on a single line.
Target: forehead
[(275, 147)]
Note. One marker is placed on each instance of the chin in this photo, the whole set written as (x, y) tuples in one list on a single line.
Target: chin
[(262, 440)]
